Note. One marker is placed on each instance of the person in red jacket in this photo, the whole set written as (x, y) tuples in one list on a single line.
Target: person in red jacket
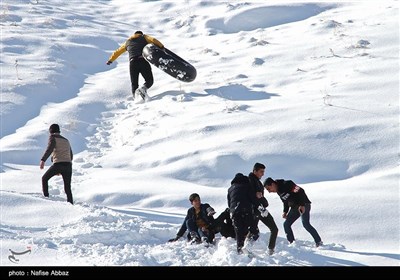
[(295, 198), (137, 64)]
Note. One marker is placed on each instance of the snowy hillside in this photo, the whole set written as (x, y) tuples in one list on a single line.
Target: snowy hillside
[(309, 89)]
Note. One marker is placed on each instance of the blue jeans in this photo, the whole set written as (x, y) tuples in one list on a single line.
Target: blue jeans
[(292, 216), (192, 227)]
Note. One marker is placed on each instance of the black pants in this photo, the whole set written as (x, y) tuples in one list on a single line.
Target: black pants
[(140, 66), (242, 222), (270, 223), (224, 225), (63, 168)]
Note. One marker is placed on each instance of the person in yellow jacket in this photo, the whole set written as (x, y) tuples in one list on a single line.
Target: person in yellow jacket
[(137, 64)]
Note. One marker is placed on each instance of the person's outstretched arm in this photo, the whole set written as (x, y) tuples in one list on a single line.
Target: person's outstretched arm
[(117, 53)]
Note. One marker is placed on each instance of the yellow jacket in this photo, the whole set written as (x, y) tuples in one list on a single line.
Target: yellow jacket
[(123, 47)]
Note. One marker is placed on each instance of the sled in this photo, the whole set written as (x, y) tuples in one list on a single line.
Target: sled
[(170, 63)]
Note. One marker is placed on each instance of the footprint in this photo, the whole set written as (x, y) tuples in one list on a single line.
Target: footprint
[(87, 165)]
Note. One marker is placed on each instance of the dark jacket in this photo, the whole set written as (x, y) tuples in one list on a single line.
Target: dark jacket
[(291, 194), (257, 186), (134, 45), (241, 197), (191, 214), (59, 148)]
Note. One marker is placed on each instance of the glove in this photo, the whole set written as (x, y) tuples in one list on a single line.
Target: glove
[(210, 211), (109, 62), (264, 212), (174, 239)]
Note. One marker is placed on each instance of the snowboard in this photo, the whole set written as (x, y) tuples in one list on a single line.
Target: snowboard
[(170, 63)]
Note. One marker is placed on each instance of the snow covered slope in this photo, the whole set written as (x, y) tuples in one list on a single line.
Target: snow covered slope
[(309, 89)]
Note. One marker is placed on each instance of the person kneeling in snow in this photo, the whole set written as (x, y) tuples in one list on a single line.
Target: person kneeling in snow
[(201, 224)]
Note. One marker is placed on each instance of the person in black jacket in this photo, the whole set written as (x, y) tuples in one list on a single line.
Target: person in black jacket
[(260, 210), (241, 201), (295, 198), (223, 224), (137, 64), (198, 222)]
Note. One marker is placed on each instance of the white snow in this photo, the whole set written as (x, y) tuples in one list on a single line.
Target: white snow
[(309, 89)]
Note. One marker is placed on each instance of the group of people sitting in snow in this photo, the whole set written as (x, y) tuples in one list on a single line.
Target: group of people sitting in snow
[(247, 205)]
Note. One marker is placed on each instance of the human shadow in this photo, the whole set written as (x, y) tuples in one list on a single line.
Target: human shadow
[(234, 92), (176, 93)]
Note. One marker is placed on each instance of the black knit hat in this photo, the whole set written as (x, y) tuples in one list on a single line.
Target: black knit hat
[(139, 32), (54, 128)]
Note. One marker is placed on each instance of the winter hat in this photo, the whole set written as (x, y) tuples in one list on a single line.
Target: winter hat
[(54, 128), (240, 179), (139, 32)]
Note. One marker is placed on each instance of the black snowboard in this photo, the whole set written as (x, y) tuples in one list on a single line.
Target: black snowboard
[(170, 63)]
